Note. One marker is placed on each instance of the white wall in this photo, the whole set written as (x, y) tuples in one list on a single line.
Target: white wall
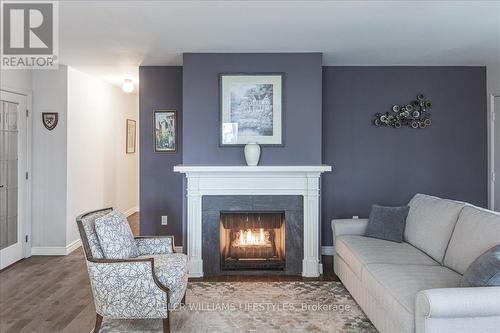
[(81, 165), (49, 160), (16, 80), (126, 107), (100, 173)]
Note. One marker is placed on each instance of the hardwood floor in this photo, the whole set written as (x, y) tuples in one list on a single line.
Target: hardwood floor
[(46, 294), (52, 293), (133, 220)]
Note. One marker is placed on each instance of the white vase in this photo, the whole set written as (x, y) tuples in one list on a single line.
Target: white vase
[(252, 154)]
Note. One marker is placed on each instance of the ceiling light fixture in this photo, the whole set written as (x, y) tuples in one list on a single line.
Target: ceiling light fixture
[(128, 86)]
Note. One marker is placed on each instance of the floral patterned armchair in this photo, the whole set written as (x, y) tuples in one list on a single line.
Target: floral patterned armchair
[(146, 286)]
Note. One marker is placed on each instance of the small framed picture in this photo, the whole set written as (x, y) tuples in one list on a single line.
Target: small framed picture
[(131, 127), (165, 130), (251, 109)]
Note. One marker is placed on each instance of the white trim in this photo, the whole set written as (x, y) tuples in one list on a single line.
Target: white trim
[(15, 91), (131, 211), (29, 152), (179, 249), (73, 246), (327, 250), (251, 169), (491, 143), (56, 250), (491, 151), (254, 180), (19, 250)]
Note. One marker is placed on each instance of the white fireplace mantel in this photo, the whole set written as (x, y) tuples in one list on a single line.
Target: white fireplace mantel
[(254, 180)]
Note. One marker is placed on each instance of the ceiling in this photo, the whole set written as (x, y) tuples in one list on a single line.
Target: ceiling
[(112, 38)]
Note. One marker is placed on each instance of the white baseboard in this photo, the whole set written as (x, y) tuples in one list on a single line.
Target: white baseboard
[(131, 211), (327, 250), (73, 246), (55, 250)]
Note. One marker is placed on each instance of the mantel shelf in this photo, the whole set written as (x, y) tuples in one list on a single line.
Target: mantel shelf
[(251, 169)]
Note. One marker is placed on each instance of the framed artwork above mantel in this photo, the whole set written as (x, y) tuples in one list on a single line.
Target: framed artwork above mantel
[(251, 109)]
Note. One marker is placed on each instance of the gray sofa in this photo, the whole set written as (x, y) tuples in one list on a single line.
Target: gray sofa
[(414, 286)]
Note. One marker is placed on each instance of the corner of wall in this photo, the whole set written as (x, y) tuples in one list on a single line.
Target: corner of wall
[(49, 160)]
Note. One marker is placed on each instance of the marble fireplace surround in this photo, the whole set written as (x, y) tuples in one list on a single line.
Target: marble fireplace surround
[(302, 181)]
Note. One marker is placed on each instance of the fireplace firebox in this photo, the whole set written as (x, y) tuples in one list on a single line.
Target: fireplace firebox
[(252, 240)]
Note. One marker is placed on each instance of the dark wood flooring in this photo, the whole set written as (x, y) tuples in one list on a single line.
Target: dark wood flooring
[(52, 293), (133, 220)]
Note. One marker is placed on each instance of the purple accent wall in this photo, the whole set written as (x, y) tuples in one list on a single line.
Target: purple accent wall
[(388, 166), (328, 113), (301, 115), (160, 188)]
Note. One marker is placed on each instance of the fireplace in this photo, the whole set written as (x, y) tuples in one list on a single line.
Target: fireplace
[(252, 241)]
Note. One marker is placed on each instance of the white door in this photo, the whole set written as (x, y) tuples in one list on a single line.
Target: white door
[(13, 166), (496, 154)]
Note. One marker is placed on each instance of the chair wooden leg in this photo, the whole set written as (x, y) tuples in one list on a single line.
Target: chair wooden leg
[(98, 323), (166, 325)]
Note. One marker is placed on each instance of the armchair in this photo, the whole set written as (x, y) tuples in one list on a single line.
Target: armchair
[(147, 286)]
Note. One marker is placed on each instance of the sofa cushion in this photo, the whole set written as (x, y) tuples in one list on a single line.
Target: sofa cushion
[(115, 236), (430, 223), (477, 230), (358, 251), (387, 223), (394, 287), (171, 270), (484, 271), (88, 224)]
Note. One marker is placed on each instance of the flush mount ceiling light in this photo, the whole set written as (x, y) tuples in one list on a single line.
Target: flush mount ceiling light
[(128, 86)]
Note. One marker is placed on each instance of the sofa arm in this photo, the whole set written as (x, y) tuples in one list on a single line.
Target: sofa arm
[(127, 289), (458, 309), (151, 245), (348, 227)]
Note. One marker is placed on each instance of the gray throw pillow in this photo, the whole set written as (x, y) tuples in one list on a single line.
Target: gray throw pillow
[(387, 223), (484, 271), (115, 236)]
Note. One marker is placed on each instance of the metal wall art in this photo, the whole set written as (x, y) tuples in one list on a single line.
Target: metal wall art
[(416, 114)]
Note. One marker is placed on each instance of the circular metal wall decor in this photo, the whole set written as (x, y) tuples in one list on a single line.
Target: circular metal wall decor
[(415, 114)]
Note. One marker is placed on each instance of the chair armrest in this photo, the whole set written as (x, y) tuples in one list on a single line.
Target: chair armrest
[(348, 227), (127, 289), (453, 303), (151, 245)]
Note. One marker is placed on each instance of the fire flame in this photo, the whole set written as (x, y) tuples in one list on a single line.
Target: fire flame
[(252, 237)]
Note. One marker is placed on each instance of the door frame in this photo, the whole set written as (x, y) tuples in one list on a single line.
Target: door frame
[(491, 151), (29, 146)]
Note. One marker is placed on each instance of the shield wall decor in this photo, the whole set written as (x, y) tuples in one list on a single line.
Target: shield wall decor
[(50, 120)]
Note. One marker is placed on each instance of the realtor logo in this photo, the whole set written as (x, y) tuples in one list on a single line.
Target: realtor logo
[(29, 35)]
